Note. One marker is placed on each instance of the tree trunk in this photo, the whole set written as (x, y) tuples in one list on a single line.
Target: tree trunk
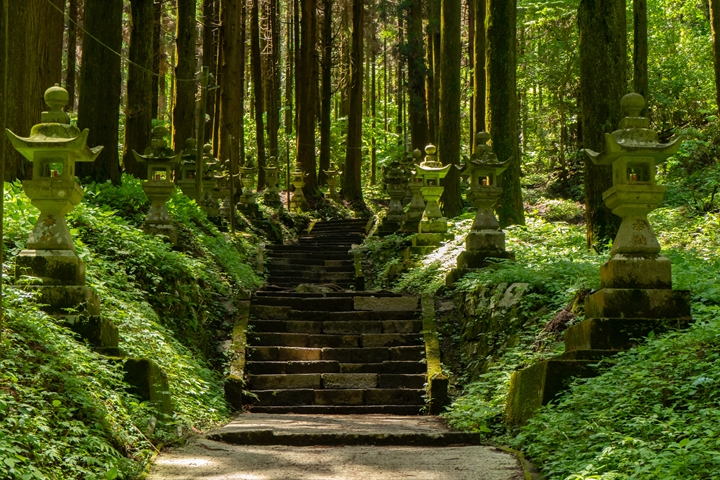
[(352, 180), (157, 56), (502, 104), (373, 112), (715, 26), (400, 87), (434, 66), (256, 63), (325, 135), (603, 82), (71, 53), (470, 4), (209, 58), (271, 57), (185, 82), (101, 80), (231, 45), (138, 112), (640, 52), (305, 96), (449, 126), (289, 71), (479, 68), (416, 77)]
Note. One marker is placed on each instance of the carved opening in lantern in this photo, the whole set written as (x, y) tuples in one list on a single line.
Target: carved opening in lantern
[(638, 172)]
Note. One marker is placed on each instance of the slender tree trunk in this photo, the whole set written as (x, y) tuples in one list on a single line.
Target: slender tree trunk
[(715, 27), (209, 58), (185, 82), (296, 56), (603, 82), (289, 71), (373, 152), (434, 66), (449, 126), (640, 52), (325, 135), (471, 57), (305, 95), (257, 87), (71, 53), (231, 48), (138, 112), (100, 78), (479, 68), (352, 180), (345, 63), (502, 104), (416, 77), (271, 57), (400, 87), (157, 55)]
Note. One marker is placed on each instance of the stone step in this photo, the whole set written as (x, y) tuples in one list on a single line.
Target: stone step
[(327, 304), (310, 277), (341, 410), (344, 316), (332, 380), (333, 366), (334, 340), (298, 247), (313, 262), (336, 327), (290, 270), (369, 293), (309, 396), (342, 355), (313, 254)]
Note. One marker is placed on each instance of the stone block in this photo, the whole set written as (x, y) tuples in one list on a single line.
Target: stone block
[(149, 382), (339, 397), (638, 303), (336, 341), (350, 380), (636, 271), (67, 300), (536, 385), (270, 312), (283, 397), (616, 333), (401, 326), (296, 326), (438, 226), (402, 381), (162, 230), (437, 393), (52, 267), (394, 396), (386, 304), (290, 353), (98, 331), (485, 241), (292, 381), (390, 339), (426, 239), (478, 259), (407, 354)]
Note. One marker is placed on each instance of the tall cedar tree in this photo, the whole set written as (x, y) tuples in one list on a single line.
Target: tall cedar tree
[(305, 87), (257, 88), (433, 96), (100, 77), (325, 113), (352, 186), (209, 42), (416, 77), (231, 68), (502, 105), (715, 27), (603, 82), (640, 52), (289, 63), (138, 111), (185, 81), (157, 56), (35, 34), (449, 127), (72, 34), (271, 60), (479, 68)]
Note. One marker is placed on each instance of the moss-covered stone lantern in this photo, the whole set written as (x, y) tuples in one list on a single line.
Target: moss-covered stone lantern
[(433, 226), (395, 185), (636, 295), (271, 196), (416, 207), (159, 186), (298, 201), (332, 175), (223, 179), (248, 199), (486, 239), (186, 178), (210, 191)]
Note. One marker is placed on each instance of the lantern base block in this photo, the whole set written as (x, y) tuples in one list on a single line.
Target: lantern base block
[(388, 228), (162, 229), (411, 223), (272, 199), (100, 332), (425, 243), (434, 226), (485, 241), (65, 300), (636, 271), (148, 381), (249, 209), (468, 262), (51, 267), (616, 333), (638, 303)]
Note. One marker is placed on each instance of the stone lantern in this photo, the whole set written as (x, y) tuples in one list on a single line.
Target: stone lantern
[(433, 226), (485, 239), (416, 207), (248, 199), (210, 192), (272, 176), (53, 147), (396, 186), (405, 165), (223, 179), (298, 201), (636, 295), (331, 178), (186, 178), (159, 187)]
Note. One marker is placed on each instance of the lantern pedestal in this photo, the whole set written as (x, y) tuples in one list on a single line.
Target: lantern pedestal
[(396, 189), (416, 208), (158, 221)]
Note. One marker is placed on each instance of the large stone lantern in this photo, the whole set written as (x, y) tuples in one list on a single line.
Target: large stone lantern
[(227, 204), (298, 201), (636, 295), (186, 179), (433, 226), (159, 187), (485, 239), (272, 177), (395, 185), (210, 192), (332, 174), (416, 207), (248, 199)]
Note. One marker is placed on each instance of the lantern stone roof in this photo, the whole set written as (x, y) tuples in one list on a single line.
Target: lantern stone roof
[(484, 158), (431, 163)]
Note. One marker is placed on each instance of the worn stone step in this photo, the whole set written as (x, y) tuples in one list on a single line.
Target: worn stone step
[(290, 367), (285, 381), (290, 270), (327, 304), (374, 355), (310, 276), (390, 340), (285, 353), (341, 410), (371, 396), (352, 315), (369, 293), (393, 380), (386, 367), (313, 254), (297, 247), (306, 340)]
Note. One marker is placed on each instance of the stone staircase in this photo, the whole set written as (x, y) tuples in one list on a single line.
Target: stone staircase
[(320, 257)]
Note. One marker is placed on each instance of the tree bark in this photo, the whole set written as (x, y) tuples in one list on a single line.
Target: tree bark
[(157, 56), (289, 71), (502, 104), (434, 67), (305, 87), (258, 88), (416, 77), (101, 80), (271, 57), (185, 81), (231, 45), (209, 58), (325, 113), (71, 53), (603, 82), (449, 126), (715, 27), (352, 180), (479, 68), (640, 52), (138, 111)]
